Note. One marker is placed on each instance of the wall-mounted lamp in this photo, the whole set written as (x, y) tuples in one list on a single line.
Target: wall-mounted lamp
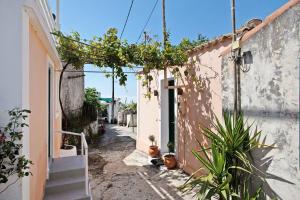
[(155, 92), (179, 91), (186, 73), (247, 61)]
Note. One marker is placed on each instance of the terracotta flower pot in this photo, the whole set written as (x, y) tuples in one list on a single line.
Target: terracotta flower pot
[(170, 161), (153, 151)]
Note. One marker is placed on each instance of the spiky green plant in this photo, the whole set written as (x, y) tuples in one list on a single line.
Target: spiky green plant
[(227, 160), (236, 137), (216, 182), (246, 194)]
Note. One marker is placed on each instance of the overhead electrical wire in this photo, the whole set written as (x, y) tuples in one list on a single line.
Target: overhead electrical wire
[(149, 17), (97, 72), (127, 18)]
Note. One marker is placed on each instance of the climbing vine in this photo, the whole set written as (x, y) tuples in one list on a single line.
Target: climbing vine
[(114, 52)]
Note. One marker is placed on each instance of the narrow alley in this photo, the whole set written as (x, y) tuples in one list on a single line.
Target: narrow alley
[(119, 172)]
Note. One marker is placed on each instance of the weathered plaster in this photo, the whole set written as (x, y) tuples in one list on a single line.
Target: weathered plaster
[(72, 91), (270, 98)]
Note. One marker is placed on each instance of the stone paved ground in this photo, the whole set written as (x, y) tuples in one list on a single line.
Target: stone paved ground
[(119, 172)]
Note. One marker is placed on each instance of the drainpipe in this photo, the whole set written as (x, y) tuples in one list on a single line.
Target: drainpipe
[(58, 15)]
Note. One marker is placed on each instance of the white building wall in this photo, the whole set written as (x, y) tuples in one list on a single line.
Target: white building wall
[(15, 17), (11, 78), (270, 99), (10, 57), (153, 114)]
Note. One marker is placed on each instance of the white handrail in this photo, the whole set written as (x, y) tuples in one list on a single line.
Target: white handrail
[(85, 153), (68, 132)]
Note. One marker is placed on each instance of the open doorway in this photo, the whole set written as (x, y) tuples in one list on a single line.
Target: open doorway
[(168, 117), (171, 99)]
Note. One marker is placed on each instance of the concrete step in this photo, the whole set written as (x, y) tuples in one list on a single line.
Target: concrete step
[(68, 173), (67, 163), (66, 167), (59, 185), (77, 193), (66, 179)]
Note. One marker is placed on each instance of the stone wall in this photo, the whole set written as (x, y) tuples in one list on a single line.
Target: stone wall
[(270, 98), (92, 128), (72, 91)]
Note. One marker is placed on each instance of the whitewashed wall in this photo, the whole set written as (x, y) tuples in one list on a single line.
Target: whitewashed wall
[(11, 56), (270, 98)]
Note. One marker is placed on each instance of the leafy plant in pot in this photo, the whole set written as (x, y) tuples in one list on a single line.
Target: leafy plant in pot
[(68, 146), (169, 159), (153, 149), (68, 150)]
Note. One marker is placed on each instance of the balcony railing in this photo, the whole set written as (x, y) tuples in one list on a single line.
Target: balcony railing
[(85, 153)]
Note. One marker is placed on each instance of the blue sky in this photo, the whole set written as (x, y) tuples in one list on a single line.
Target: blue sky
[(185, 18)]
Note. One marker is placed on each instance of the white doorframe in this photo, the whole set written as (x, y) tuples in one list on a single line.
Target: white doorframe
[(164, 118), (49, 142), (176, 121)]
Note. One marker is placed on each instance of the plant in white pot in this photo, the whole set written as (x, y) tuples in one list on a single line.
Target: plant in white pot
[(67, 150)]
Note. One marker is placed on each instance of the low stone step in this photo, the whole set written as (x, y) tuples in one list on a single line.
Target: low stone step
[(67, 163), (59, 185), (68, 173), (66, 167), (66, 179), (77, 193)]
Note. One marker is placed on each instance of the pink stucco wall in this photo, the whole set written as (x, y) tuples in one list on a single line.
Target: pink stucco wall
[(38, 117), (200, 100), (38, 99)]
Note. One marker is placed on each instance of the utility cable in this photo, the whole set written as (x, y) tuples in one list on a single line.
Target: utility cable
[(149, 17), (127, 18)]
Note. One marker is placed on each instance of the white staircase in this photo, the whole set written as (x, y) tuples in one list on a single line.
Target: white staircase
[(67, 179)]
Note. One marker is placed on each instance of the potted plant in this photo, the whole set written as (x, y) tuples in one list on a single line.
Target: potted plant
[(66, 148), (169, 159), (153, 149)]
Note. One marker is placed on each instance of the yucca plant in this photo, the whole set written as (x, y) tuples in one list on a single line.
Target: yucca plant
[(227, 160), (236, 138), (246, 194), (216, 182)]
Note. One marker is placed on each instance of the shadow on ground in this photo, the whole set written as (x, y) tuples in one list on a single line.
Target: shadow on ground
[(119, 172)]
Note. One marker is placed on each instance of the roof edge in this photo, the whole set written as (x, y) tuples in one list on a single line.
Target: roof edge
[(268, 20)]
